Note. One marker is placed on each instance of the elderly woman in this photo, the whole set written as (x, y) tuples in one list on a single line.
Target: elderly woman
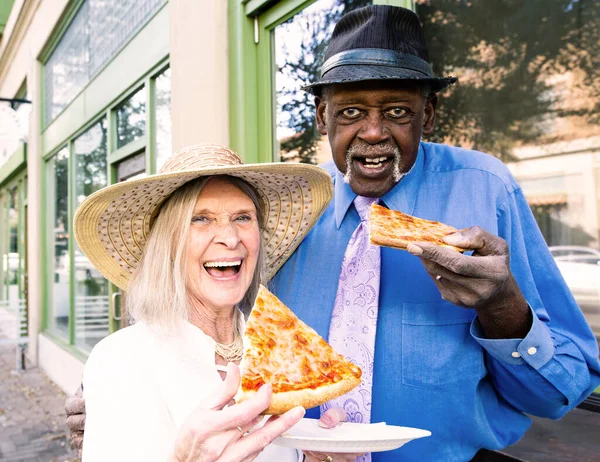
[(186, 246)]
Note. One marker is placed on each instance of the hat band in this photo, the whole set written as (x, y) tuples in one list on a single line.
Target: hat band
[(377, 57)]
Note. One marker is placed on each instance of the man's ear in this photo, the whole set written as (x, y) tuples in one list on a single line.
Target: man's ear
[(429, 119), (321, 106)]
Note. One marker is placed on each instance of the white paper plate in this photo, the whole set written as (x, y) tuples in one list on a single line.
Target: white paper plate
[(348, 437)]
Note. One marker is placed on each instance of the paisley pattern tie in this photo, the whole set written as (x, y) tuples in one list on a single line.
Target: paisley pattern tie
[(354, 318)]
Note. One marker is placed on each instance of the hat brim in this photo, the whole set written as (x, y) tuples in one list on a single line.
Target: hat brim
[(111, 226), (362, 73)]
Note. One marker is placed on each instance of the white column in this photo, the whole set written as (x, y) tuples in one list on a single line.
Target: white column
[(199, 70), (35, 204)]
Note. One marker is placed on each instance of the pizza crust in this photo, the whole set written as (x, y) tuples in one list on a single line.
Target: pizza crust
[(398, 230), (402, 244), (307, 398)]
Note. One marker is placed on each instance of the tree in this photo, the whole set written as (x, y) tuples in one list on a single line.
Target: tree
[(508, 56)]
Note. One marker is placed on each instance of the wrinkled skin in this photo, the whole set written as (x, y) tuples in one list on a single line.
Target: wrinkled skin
[(374, 119), (482, 281), (211, 433)]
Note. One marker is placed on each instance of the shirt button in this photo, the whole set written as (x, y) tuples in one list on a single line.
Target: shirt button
[(515, 354), (531, 351)]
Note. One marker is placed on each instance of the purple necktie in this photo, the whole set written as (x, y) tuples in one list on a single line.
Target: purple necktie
[(354, 317)]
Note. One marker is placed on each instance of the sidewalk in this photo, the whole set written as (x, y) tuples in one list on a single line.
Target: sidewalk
[(32, 416)]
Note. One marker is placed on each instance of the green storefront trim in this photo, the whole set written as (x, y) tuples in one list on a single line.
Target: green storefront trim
[(5, 7)]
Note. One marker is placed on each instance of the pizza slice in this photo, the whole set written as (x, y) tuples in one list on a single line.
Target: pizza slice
[(301, 366), (396, 229)]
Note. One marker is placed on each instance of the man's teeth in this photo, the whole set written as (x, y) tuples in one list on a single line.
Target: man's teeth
[(221, 264), (374, 163)]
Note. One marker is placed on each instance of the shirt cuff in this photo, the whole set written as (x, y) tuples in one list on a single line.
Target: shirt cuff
[(536, 349)]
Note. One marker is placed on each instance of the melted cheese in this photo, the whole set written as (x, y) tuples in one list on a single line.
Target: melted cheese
[(396, 229), (282, 350)]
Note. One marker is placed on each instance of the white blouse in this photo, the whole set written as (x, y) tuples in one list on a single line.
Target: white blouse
[(139, 387)]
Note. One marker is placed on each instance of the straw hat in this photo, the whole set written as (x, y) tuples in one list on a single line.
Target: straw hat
[(112, 225)]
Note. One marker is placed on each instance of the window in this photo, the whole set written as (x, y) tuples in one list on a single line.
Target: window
[(58, 217), (23, 111), (528, 99), (271, 117), (299, 46), (79, 302), (163, 118), (91, 289), (527, 95), (131, 118), (97, 32)]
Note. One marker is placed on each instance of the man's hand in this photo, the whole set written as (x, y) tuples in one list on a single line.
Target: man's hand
[(482, 281), (75, 410), (331, 418), (218, 432)]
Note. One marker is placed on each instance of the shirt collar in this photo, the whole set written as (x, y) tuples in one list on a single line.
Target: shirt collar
[(401, 197)]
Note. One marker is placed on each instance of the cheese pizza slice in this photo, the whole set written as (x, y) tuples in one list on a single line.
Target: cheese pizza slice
[(396, 229), (301, 366)]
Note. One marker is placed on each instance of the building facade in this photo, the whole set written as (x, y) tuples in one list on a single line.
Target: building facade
[(104, 90)]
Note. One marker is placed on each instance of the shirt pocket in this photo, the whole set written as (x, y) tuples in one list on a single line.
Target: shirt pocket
[(437, 347)]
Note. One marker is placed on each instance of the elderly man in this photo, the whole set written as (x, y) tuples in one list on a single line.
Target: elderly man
[(460, 344)]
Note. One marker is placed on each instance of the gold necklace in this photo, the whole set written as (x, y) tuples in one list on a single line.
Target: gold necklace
[(232, 352)]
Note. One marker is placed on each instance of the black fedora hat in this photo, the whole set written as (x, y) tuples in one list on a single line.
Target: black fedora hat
[(378, 42)]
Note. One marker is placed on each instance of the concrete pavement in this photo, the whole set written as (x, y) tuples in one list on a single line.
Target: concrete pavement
[(32, 416)]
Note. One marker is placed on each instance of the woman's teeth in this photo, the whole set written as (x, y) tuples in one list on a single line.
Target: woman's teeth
[(221, 264)]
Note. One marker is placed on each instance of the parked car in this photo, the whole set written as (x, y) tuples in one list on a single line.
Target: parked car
[(580, 267), (575, 253)]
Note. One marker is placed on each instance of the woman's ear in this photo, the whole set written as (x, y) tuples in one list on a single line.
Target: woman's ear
[(429, 119), (321, 118)]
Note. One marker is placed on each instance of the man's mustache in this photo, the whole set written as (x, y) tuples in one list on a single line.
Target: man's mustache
[(373, 150)]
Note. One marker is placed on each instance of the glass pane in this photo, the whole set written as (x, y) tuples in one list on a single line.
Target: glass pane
[(163, 118), (299, 49), (131, 118), (131, 168), (3, 249), (12, 266), (58, 317), (66, 72), (528, 94), (91, 289), (532, 100), (23, 110), (98, 31)]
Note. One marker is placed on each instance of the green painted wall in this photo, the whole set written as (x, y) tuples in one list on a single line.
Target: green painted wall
[(5, 7)]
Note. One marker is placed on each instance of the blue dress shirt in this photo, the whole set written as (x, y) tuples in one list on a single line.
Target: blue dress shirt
[(433, 367)]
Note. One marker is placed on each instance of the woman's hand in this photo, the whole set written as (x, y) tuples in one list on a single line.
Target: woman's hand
[(330, 419), (214, 432)]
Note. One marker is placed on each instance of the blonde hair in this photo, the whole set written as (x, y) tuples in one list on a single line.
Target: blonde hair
[(157, 292)]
